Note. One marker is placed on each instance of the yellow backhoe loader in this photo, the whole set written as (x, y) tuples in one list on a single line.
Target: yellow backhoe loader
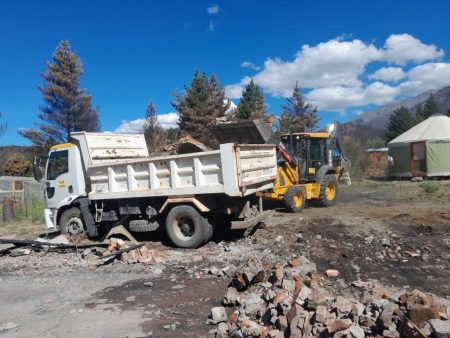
[(309, 166)]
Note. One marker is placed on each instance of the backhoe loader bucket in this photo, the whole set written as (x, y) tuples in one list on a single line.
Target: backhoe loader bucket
[(256, 131)]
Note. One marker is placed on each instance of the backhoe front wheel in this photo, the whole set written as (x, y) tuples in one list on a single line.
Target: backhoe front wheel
[(294, 199), (186, 228), (71, 222), (328, 191)]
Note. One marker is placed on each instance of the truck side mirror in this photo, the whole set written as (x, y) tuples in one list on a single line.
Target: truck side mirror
[(37, 168)]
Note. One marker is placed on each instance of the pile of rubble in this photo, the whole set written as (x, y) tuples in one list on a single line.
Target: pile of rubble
[(292, 300), (130, 254)]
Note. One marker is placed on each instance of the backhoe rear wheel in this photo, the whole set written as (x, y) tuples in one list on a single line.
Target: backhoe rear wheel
[(186, 228), (328, 191), (294, 199)]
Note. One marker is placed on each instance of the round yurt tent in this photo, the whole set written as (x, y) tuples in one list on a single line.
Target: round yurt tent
[(423, 150)]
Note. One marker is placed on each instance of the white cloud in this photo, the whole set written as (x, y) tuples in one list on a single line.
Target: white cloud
[(334, 72), (166, 121), (339, 98), (331, 63), (234, 91), (401, 48), (211, 27), (388, 74), (251, 65), (213, 9)]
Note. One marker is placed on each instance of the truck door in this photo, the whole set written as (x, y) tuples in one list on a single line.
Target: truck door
[(58, 178)]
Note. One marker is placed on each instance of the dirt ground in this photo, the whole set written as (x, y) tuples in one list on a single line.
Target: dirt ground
[(393, 232)]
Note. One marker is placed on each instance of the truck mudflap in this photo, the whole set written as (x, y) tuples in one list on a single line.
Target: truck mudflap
[(245, 224)]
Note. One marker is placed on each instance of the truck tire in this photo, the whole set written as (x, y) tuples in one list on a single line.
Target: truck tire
[(71, 222), (294, 199), (185, 227), (328, 191)]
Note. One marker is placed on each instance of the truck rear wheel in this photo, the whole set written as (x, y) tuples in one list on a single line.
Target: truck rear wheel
[(294, 199), (71, 222), (186, 228), (328, 191)]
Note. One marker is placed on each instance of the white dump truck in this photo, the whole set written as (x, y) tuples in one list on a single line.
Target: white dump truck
[(101, 180)]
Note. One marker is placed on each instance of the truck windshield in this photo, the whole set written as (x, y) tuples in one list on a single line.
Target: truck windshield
[(58, 164)]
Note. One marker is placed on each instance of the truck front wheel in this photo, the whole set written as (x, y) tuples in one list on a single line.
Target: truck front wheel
[(71, 222), (185, 227)]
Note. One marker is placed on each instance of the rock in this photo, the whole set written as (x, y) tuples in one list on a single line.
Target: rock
[(295, 262), (419, 314), (343, 305), (213, 270), (304, 293), (179, 286), (391, 334), (20, 273), (339, 325), (131, 299), (150, 284), (279, 240), (321, 314), (223, 329), (288, 285), (385, 318), (356, 331), (440, 328), (8, 326), (358, 309), (304, 269), (230, 296), (253, 304), (332, 273), (273, 333), (282, 323), (218, 314)]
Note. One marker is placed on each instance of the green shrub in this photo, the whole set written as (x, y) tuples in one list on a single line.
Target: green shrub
[(429, 187)]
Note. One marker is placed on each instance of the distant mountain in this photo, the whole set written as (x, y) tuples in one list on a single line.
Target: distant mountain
[(377, 119)]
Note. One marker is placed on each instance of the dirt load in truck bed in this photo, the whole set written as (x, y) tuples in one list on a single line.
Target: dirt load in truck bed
[(392, 232)]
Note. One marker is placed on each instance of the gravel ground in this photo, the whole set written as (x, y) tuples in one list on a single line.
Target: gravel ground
[(393, 233)]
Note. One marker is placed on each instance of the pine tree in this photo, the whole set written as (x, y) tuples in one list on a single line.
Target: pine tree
[(400, 121), (297, 115), (430, 107), (201, 103), (2, 127), (153, 132), (66, 108), (251, 105)]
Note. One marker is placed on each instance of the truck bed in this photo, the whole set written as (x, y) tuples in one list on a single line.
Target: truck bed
[(235, 169)]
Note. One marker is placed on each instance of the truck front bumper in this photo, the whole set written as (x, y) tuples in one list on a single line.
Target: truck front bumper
[(49, 218)]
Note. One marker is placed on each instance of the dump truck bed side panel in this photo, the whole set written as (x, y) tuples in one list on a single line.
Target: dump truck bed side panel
[(236, 170)]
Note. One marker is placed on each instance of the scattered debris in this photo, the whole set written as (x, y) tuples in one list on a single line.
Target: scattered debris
[(286, 300)]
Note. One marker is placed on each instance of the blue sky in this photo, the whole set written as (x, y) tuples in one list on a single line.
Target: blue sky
[(348, 55)]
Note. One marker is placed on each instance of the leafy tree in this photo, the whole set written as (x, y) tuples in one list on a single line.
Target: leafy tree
[(17, 165), (2, 126), (400, 121), (201, 103), (153, 132), (66, 108), (429, 107), (297, 115), (251, 105), (172, 135)]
